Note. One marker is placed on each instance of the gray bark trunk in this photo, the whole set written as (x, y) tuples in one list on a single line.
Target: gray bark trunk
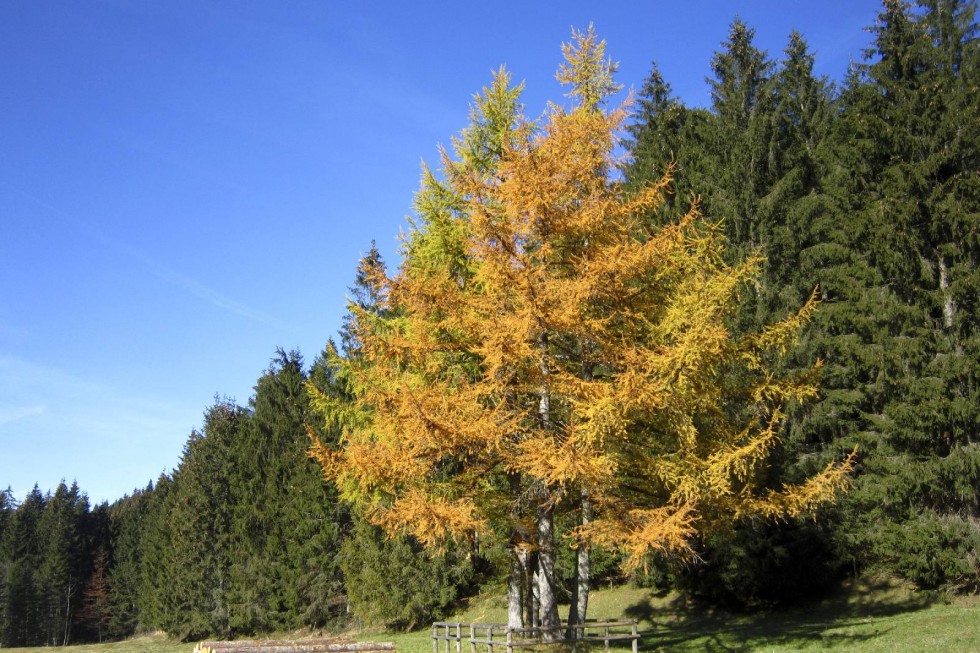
[(579, 607), (515, 585), (547, 597), (584, 567), (533, 618), (949, 306), (546, 574)]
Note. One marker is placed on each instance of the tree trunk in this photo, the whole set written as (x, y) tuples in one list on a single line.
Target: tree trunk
[(515, 585), (533, 618), (68, 594), (584, 566), (547, 598), (546, 574), (949, 305), (583, 577), (578, 609)]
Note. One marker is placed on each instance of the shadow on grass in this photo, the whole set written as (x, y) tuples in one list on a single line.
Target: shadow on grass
[(677, 624)]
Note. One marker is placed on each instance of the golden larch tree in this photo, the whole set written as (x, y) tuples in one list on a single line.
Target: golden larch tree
[(542, 345)]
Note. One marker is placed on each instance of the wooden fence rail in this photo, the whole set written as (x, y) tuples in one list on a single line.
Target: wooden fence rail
[(483, 634)]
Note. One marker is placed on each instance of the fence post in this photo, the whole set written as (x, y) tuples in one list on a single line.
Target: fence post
[(459, 638), (472, 637), (435, 640), (510, 641), (607, 638), (636, 637)]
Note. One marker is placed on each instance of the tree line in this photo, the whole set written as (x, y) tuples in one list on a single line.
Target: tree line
[(242, 537), (867, 192)]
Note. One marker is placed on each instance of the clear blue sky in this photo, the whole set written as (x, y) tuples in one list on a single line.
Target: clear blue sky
[(186, 185)]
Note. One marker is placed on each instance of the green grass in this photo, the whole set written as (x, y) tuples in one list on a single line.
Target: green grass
[(147, 644), (869, 616)]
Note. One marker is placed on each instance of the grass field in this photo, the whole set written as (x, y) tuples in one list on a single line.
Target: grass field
[(867, 617)]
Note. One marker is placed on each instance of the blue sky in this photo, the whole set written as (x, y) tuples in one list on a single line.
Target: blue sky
[(185, 186)]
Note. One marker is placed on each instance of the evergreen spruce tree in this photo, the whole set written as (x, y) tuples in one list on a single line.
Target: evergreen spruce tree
[(914, 113), (21, 613), (758, 159), (794, 197), (666, 138), (8, 507), (129, 523), (197, 520), (62, 571), (285, 573), (156, 560), (319, 519), (394, 581), (363, 295), (740, 138), (255, 589)]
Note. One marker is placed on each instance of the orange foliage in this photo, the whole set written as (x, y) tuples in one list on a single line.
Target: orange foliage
[(541, 333)]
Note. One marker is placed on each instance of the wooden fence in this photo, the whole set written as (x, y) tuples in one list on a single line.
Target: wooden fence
[(483, 634)]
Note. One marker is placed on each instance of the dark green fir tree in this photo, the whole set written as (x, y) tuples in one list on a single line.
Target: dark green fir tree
[(129, 523), (915, 115)]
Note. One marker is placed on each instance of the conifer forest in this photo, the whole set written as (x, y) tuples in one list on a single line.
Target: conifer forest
[(732, 351)]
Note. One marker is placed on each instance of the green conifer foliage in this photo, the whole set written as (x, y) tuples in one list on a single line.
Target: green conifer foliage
[(63, 568), (918, 113), (666, 135), (156, 559), (319, 521), (875, 198), (286, 525), (8, 509), (739, 145), (22, 610), (393, 581), (8, 506), (195, 571), (129, 523)]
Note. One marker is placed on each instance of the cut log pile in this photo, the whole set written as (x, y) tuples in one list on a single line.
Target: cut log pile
[(294, 646)]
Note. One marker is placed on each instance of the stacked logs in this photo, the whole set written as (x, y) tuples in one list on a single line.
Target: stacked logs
[(294, 646)]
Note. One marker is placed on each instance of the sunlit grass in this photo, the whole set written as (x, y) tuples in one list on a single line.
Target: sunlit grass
[(868, 617), (157, 643)]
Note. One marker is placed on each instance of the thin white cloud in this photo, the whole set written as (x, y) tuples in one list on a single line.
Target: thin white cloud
[(81, 401), (10, 414), (191, 285), (110, 439), (164, 273)]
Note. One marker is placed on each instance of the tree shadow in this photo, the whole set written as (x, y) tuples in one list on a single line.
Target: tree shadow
[(842, 620)]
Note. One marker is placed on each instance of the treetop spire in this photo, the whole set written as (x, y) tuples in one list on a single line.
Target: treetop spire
[(587, 69)]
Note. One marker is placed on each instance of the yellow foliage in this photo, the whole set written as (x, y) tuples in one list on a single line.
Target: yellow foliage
[(542, 339), (431, 519), (641, 532)]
